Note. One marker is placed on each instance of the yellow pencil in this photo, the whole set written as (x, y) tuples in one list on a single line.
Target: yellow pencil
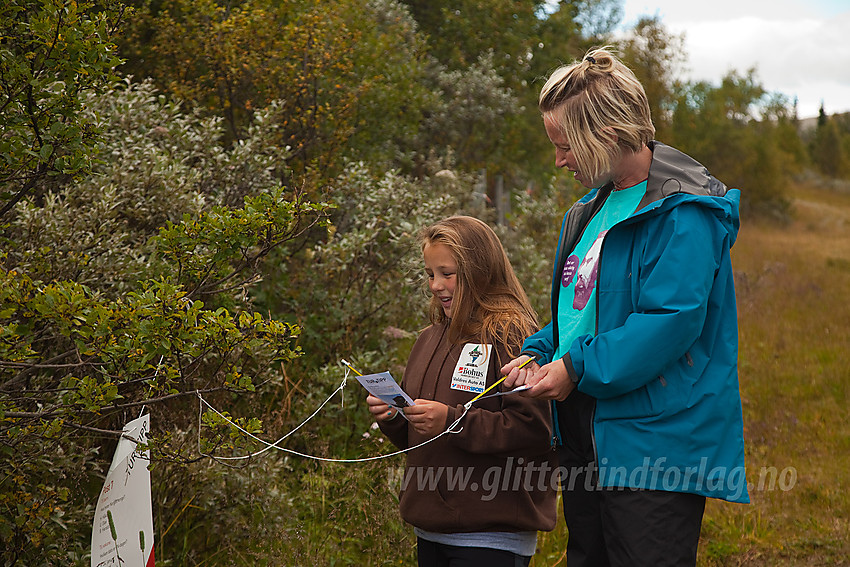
[(497, 382), (345, 362)]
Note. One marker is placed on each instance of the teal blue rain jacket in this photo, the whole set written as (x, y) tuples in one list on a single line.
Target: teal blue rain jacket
[(662, 364)]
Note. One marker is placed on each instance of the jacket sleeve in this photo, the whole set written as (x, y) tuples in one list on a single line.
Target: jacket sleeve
[(540, 345), (677, 269), (510, 425), (396, 431)]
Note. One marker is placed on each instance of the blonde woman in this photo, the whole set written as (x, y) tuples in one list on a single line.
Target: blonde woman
[(641, 356)]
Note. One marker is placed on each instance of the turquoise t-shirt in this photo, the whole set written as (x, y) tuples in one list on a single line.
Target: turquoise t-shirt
[(577, 300)]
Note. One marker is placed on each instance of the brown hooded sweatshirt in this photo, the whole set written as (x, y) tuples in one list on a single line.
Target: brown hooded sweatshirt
[(497, 473)]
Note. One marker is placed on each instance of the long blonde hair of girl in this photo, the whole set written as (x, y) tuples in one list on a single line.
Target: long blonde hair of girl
[(488, 298)]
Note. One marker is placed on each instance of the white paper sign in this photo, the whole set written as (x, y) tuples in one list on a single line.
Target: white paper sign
[(382, 385), (122, 534), (470, 374)]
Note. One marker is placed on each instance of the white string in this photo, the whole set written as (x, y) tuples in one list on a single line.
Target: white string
[(203, 402), (249, 434)]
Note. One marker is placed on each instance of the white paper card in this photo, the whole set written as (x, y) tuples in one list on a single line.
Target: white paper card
[(382, 385)]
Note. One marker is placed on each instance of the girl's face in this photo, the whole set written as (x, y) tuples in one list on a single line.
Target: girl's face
[(441, 267)]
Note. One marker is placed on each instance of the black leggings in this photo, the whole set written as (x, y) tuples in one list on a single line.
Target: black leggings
[(433, 554)]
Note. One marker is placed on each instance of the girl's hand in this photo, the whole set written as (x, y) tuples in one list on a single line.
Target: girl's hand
[(427, 417), (516, 376), (380, 409)]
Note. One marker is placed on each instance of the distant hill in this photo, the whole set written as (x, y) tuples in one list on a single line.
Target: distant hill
[(807, 124)]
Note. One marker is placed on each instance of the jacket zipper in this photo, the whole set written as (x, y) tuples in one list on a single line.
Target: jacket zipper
[(567, 229), (556, 429), (596, 333)]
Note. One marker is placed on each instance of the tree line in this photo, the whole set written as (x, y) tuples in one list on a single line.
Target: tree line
[(223, 197)]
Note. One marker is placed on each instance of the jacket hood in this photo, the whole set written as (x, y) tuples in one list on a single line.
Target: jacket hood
[(675, 177)]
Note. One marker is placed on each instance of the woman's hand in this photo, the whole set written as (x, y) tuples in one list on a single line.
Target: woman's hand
[(550, 382), (515, 376), (380, 409), (427, 417)]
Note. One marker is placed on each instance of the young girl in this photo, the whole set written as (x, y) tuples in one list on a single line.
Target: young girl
[(482, 494)]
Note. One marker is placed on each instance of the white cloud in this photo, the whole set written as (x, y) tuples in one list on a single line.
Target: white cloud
[(798, 48)]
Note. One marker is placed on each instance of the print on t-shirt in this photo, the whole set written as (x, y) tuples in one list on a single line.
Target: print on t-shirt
[(585, 274), (569, 270)]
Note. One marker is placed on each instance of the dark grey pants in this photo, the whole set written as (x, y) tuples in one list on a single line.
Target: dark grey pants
[(619, 528)]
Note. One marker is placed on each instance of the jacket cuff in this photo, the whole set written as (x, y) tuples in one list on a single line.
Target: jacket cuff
[(452, 414), (571, 371), (393, 427), (538, 358)]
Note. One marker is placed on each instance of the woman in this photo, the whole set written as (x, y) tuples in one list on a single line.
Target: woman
[(641, 355), (479, 495)]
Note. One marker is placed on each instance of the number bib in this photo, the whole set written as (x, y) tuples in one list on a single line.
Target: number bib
[(471, 371)]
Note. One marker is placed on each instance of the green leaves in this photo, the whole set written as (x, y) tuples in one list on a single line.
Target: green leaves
[(222, 433), (75, 357), (212, 250), (156, 335), (52, 52)]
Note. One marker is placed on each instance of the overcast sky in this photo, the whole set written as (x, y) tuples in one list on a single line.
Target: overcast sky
[(800, 48)]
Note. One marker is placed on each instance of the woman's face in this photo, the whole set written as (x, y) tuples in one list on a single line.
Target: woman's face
[(564, 156)]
